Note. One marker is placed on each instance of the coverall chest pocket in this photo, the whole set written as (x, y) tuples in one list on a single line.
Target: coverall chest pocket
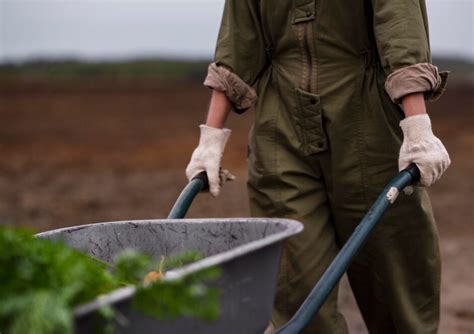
[(309, 122)]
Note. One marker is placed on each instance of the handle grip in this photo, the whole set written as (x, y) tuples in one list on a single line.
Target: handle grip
[(203, 177), (414, 171)]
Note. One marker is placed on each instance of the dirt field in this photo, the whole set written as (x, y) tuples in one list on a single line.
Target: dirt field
[(95, 150)]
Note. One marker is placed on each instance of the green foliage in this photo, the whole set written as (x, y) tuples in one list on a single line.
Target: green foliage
[(188, 296), (42, 312), (131, 266), (181, 260), (42, 281)]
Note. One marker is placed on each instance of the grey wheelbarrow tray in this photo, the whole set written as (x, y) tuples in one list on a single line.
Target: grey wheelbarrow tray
[(247, 250)]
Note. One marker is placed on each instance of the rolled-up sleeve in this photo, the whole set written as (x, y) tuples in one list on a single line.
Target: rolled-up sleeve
[(240, 54), (402, 36)]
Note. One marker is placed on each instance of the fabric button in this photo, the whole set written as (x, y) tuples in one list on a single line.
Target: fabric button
[(312, 100), (320, 144), (309, 13)]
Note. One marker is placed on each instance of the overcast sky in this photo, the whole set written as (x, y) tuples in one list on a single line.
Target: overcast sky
[(144, 28)]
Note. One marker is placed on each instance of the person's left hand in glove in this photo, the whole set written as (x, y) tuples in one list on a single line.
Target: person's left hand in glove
[(420, 145), (207, 156)]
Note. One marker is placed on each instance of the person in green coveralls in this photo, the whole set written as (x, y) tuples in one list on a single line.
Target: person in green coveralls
[(339, 89)]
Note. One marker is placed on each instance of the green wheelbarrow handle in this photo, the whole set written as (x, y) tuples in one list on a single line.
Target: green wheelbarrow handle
[(341, 262), (197, 184)]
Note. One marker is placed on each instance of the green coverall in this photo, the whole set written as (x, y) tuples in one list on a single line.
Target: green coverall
[(325, 141)]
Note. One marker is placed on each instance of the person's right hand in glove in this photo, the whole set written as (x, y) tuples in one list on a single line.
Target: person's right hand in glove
[(208, 155), (420, 145)]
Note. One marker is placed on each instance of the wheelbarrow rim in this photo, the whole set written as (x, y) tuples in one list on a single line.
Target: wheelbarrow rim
[(292, 227)]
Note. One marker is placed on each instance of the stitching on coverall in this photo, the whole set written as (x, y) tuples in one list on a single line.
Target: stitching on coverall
[(360, 136)]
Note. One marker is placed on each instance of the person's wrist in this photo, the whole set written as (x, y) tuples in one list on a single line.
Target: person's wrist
[(413, 112), (214, 125), (219, 108), (414, 104)]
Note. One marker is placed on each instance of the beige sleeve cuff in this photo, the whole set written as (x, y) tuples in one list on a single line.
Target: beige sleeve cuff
[(240, 94), (418, 78)]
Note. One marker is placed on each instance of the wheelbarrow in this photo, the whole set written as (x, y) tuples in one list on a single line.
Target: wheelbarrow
[(246, 249)]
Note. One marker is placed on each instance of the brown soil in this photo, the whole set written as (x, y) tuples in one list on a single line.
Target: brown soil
[(81, 152)]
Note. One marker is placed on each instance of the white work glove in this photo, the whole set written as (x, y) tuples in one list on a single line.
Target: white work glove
[(420, 146), (207, 157)]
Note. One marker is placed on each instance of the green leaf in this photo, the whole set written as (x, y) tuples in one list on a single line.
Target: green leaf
[(45, 280), (130, 266)]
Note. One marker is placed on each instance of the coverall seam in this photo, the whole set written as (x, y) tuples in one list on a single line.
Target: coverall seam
[(268, 41), (360, 136), (279, 205), (274, 121)]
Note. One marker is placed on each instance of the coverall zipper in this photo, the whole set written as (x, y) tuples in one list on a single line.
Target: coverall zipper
[(308, 56), (307, 50)]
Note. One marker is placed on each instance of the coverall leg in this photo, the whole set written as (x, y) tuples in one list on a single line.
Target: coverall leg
[(396, 276), (326, 174), (300, 195), (283, 183)]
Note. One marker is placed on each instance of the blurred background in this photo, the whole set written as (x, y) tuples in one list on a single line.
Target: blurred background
[(100, 102)]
